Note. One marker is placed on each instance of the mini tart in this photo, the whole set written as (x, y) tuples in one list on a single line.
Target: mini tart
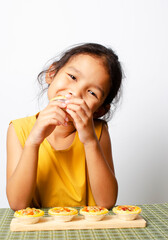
[(127, 212), (94, 213), (62, 214), (59, 98), (29, 215)]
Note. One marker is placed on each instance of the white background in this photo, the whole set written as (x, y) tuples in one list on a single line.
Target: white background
[(34, 31)]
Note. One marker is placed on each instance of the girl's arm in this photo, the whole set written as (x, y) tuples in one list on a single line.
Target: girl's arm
[(21, 171), (98, 154), (101, 171), (22, 162)]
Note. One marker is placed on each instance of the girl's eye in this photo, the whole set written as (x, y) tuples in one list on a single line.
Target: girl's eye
[(72, 76), (92, 93)]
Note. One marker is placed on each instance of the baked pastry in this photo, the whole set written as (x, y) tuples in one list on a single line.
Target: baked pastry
[(62, 214), (93, 213), (59, 98), (29, 215), (127, 212)]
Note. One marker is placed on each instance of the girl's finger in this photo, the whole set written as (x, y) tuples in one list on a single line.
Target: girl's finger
[(80, 121), (54, 113), (80, 108), (76, 118), (55, 107), (80, 112), (57, 103)]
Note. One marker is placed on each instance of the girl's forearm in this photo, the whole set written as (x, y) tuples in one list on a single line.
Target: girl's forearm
[(21, 185), (102, 179)]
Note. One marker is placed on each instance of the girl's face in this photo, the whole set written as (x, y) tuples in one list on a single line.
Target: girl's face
[(83, 76)]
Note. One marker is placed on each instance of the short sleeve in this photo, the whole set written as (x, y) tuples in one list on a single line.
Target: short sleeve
[(23, 127)]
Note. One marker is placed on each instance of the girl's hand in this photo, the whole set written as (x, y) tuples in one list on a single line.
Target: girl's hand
[(82, 119), (53, 115)]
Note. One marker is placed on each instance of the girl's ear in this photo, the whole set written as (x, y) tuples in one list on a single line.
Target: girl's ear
[(101, 111), (50, 73)]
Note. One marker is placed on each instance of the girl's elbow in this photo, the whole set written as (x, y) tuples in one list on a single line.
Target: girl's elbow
[(108, 204), (17, 205), (110, 200)]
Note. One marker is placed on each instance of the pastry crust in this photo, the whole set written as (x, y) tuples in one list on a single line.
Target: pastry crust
[(62, 214), (62, 211), (93, 210), (29, 213), (127, 212), (59, 98), (94, 213), (127, 209)]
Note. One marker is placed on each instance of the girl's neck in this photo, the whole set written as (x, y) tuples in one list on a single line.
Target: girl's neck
[(62, 137), (63, 131)]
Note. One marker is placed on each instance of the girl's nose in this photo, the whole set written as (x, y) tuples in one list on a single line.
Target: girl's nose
[(74, 93), (70, 93)]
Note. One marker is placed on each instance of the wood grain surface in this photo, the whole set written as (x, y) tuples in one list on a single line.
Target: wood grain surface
[(78, 222)]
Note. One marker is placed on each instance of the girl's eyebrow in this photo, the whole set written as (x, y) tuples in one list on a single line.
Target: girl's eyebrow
[(74, 69), (100, 89), (94, 85)]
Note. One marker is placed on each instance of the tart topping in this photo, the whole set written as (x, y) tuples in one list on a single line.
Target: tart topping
[(58, 211), (93, 209), (29, 212), (61, 209), (126, 208)]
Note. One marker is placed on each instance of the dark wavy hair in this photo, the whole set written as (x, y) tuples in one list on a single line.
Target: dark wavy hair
[(110, 60)]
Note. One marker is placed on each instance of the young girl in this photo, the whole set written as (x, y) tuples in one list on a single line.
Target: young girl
[(62, 156)]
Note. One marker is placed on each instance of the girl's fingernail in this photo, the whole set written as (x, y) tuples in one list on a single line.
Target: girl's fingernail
[(68, 95), (63, 105), (67, 119)]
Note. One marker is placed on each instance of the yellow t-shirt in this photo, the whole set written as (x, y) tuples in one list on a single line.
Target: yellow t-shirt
[(62, 178)]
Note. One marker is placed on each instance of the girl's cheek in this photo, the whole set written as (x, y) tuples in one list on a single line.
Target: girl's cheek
[(93, 107), (58, 84)]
